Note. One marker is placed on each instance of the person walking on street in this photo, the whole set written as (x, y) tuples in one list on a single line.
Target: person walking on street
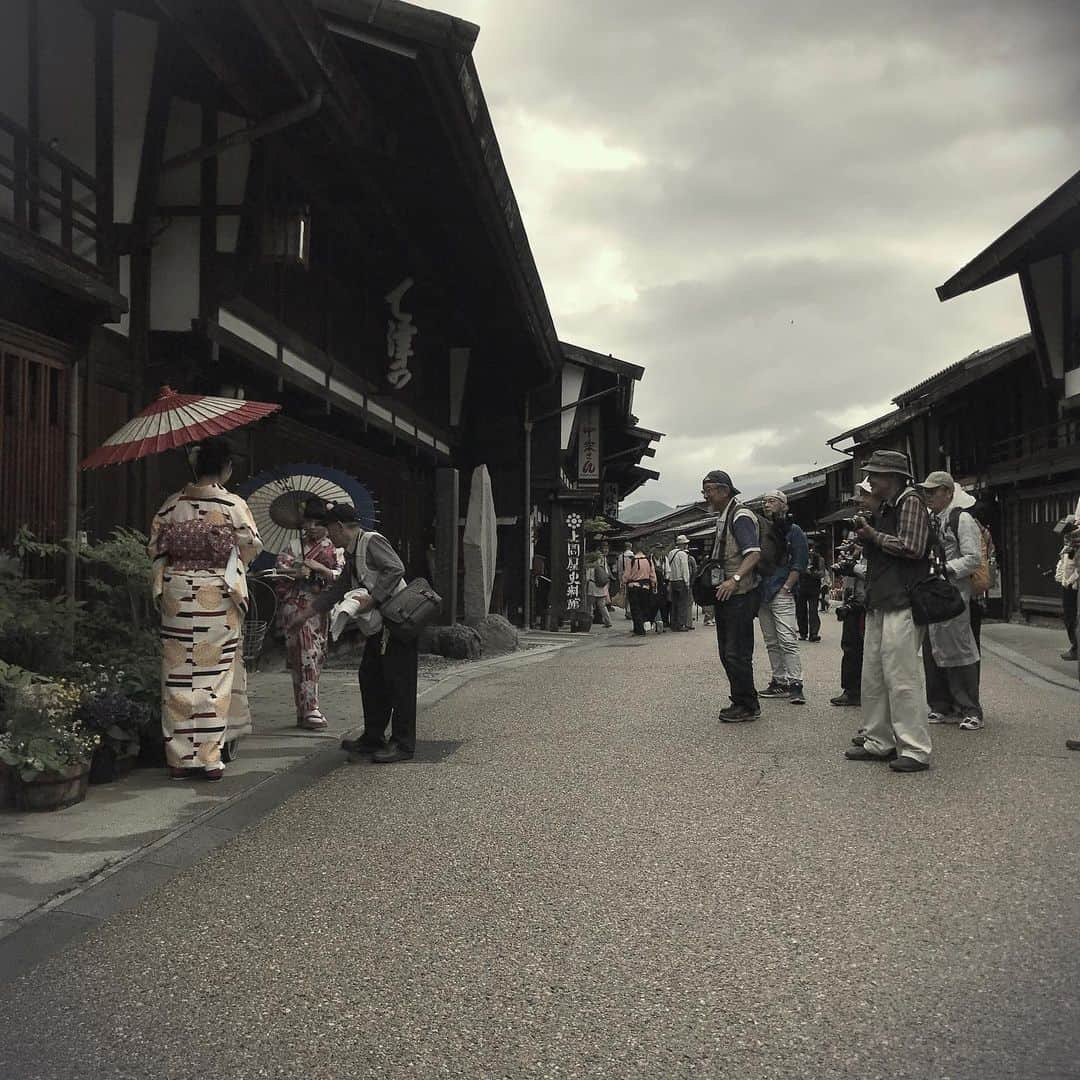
[(388, 666), (852, 567), (639, 580), (950, 655), (663, 593), (678, 574), (599, 581), (895, 540), (621, 565), (776, 615), (1066, 575), (737, 550), (809, 596)]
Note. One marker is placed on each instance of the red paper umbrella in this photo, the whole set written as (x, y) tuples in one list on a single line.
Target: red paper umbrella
[(176, 420)]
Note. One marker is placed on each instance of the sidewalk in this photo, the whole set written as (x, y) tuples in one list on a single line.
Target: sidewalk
[(61, 872), (1034, 650)]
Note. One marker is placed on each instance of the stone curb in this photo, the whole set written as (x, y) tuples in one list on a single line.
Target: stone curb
[(1031, 668), (120, 886)]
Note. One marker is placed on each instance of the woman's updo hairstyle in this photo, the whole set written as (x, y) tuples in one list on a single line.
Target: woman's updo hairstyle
[(211, 456)]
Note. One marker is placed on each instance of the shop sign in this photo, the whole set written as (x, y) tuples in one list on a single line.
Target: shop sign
[(400, 332), (589, 445), (611, 500), (575, 550)]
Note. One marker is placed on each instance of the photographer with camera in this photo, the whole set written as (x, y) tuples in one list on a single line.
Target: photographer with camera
[(1067, 575), (851, 566)]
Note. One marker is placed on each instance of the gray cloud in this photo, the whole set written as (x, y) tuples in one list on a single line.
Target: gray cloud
[(808, 172)]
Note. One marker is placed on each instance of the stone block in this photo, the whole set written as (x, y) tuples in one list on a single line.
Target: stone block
[(456, 642)]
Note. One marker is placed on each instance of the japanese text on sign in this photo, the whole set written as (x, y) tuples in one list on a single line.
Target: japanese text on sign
[(589, 446), (400, 332), (574, 550)]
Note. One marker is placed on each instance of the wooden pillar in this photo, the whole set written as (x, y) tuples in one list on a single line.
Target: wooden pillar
[(447, 513)]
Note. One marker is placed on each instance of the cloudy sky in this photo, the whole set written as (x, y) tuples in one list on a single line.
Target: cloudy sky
[(755, 201)]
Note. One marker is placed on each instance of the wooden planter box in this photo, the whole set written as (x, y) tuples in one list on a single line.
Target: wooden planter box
[(52, 791)]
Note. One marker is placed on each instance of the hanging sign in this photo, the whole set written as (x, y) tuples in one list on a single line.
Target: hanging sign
[(588, 445), (611, 500)]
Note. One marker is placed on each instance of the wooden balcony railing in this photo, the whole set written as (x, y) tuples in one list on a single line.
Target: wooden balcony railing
[(1059, 436), (51, 197)]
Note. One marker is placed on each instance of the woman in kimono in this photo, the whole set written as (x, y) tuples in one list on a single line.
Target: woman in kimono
[(307, 571), (202, 540)]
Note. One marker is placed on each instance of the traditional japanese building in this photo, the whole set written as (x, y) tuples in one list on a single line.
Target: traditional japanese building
[(300, 201)]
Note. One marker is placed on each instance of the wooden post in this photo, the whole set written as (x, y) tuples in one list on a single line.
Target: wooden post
[(447, 513)]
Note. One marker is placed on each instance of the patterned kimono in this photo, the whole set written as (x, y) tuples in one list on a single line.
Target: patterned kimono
[(201, 541), (305, 647)]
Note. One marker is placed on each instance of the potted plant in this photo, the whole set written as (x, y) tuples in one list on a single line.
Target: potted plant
[(118, 722), (45, 748)]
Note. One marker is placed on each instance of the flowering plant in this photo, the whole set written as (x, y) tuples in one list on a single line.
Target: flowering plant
[(116, 719), (43, 734)]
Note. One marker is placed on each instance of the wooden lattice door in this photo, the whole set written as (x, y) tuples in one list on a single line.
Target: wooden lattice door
[(33, 459)]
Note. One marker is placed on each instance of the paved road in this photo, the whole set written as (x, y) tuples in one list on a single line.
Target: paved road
[(600, 880)]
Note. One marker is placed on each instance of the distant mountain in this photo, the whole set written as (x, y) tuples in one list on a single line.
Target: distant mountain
[(640, 512)]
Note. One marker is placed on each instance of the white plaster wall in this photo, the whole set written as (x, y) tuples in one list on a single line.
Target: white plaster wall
[(134, 49), (573, 376), (1046, 280), (232, 180)]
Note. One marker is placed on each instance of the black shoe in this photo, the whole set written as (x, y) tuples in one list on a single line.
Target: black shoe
[(1072, 744), (390, 754), (816, 637), (908, 764), (1070, 655), (802, 637), (362, 746), (858, 740), (860, 753), (795, 694), (844, 699), (774, 689), (738, 714)]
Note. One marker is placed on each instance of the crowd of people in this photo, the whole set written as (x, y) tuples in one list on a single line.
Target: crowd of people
[(906, 670)]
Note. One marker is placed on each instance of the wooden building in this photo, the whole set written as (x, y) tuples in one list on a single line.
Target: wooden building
[(300, 201), (587, 448)]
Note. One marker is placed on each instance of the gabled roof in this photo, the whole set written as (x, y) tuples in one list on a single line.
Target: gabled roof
[(577, 355), (1052, 227)]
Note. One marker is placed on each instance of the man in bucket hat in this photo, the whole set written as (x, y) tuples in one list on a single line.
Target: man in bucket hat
[(678, 575), (895, 540)]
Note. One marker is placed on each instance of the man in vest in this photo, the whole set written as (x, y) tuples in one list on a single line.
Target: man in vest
[(678, 575), (950, 654), (388, 666), (895, 542), (737, 549), (621, 565)]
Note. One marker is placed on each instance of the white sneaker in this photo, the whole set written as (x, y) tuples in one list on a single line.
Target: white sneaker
[(971, 723), (940, 718)]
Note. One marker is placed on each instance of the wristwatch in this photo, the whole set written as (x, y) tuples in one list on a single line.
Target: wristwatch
[(736, 578)]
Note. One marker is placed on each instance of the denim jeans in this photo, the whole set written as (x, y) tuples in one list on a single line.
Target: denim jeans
[(735, 640)]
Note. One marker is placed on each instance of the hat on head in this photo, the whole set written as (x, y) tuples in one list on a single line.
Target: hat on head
[(682, 538), (778, 495), (938, 479), (718, 476), (864, 486), (327, 512), (888, 461)]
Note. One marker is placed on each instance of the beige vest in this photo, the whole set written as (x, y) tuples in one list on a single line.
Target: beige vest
[(731, 556)]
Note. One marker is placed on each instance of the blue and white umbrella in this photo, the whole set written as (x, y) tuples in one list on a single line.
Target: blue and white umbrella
[(276, 497)]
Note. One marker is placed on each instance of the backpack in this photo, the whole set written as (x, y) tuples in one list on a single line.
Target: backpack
[(600, 574), (985, 577), (774, 547)]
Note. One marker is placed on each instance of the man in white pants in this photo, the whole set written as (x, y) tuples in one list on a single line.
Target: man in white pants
[(678, 574), (895, 542), (776, 615)]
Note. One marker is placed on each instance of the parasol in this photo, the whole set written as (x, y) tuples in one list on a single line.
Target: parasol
[(175, 420), (276, 499)]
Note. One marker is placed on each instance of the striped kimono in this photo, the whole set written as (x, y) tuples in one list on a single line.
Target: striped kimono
[(201, 540)]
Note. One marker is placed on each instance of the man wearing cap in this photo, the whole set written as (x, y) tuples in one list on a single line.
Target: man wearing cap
[(895, 540), (776, 614), (737, 550), (388, 666), (853, 565), (950, 655), (678, 575)]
